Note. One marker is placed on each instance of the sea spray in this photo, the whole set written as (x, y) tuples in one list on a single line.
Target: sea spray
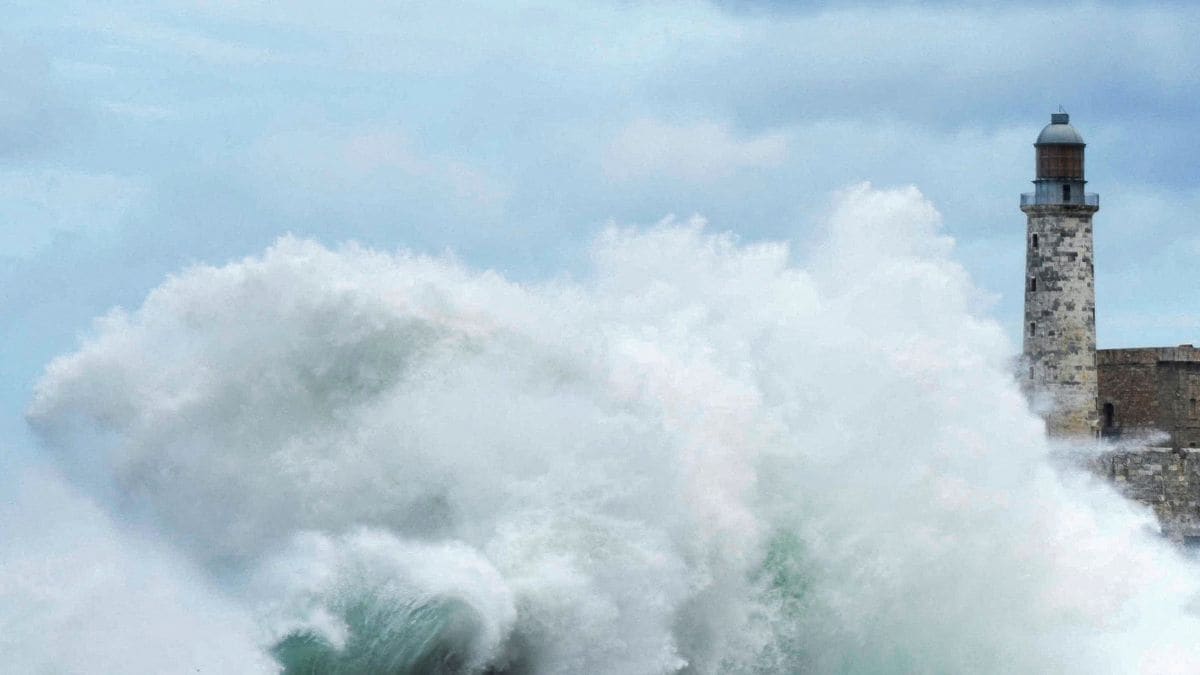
[(81, 594), (370, 603), (702, 456)]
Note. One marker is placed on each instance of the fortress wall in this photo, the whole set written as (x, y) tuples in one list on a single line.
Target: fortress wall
[(1126, 381), (1179, 401), (1166, 480), (1151, 389)]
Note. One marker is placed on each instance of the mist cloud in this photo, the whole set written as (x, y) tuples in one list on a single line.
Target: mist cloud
[(701, 454)]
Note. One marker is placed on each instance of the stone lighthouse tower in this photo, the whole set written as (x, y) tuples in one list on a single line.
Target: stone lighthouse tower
[(1060, 295)]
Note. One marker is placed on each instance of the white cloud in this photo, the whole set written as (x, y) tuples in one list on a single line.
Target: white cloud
[(164, 38), (373, 151), (325, 161), (197, 45), (33, 109), (700, 152), (139, 111)]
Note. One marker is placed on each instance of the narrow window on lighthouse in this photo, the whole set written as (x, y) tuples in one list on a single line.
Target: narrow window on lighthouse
[(1066, 193), (1032, 329), (1035, 241), (1110, 415), (1032, 283)]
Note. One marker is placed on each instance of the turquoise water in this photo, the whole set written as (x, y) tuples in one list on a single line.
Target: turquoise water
[(386, 638)]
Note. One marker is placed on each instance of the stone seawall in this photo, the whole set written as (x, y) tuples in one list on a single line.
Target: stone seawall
[(1167, 480)]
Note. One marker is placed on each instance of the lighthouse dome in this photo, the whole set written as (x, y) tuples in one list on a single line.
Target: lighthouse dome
[(1059, 132)]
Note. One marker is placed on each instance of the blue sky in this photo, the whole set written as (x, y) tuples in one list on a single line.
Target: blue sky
[(137, 138)]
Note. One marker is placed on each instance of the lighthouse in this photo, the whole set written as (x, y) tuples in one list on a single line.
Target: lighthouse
[(1060, 295)]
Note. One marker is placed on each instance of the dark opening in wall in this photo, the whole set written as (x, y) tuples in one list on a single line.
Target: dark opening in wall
[(1192, 407), (1032, 284), (1032, 328), (1035, 241), (1110, 415), (1066, 193)]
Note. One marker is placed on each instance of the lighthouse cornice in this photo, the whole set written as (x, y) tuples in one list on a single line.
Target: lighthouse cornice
[(1054, 199), (1064, 209)]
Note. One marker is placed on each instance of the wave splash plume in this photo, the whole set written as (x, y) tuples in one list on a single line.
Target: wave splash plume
[(701, 457)]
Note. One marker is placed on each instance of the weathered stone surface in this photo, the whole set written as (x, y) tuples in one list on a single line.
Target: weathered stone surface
[(1146, 392), (1060, 316), (1165, 479)]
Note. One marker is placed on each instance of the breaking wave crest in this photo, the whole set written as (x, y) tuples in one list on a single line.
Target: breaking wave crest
[(701, 457)]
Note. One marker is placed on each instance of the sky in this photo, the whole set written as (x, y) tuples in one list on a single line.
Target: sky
[(140, 138)]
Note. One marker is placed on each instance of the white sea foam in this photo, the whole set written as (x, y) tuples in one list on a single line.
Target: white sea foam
[(701, 455), (80, 595)]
